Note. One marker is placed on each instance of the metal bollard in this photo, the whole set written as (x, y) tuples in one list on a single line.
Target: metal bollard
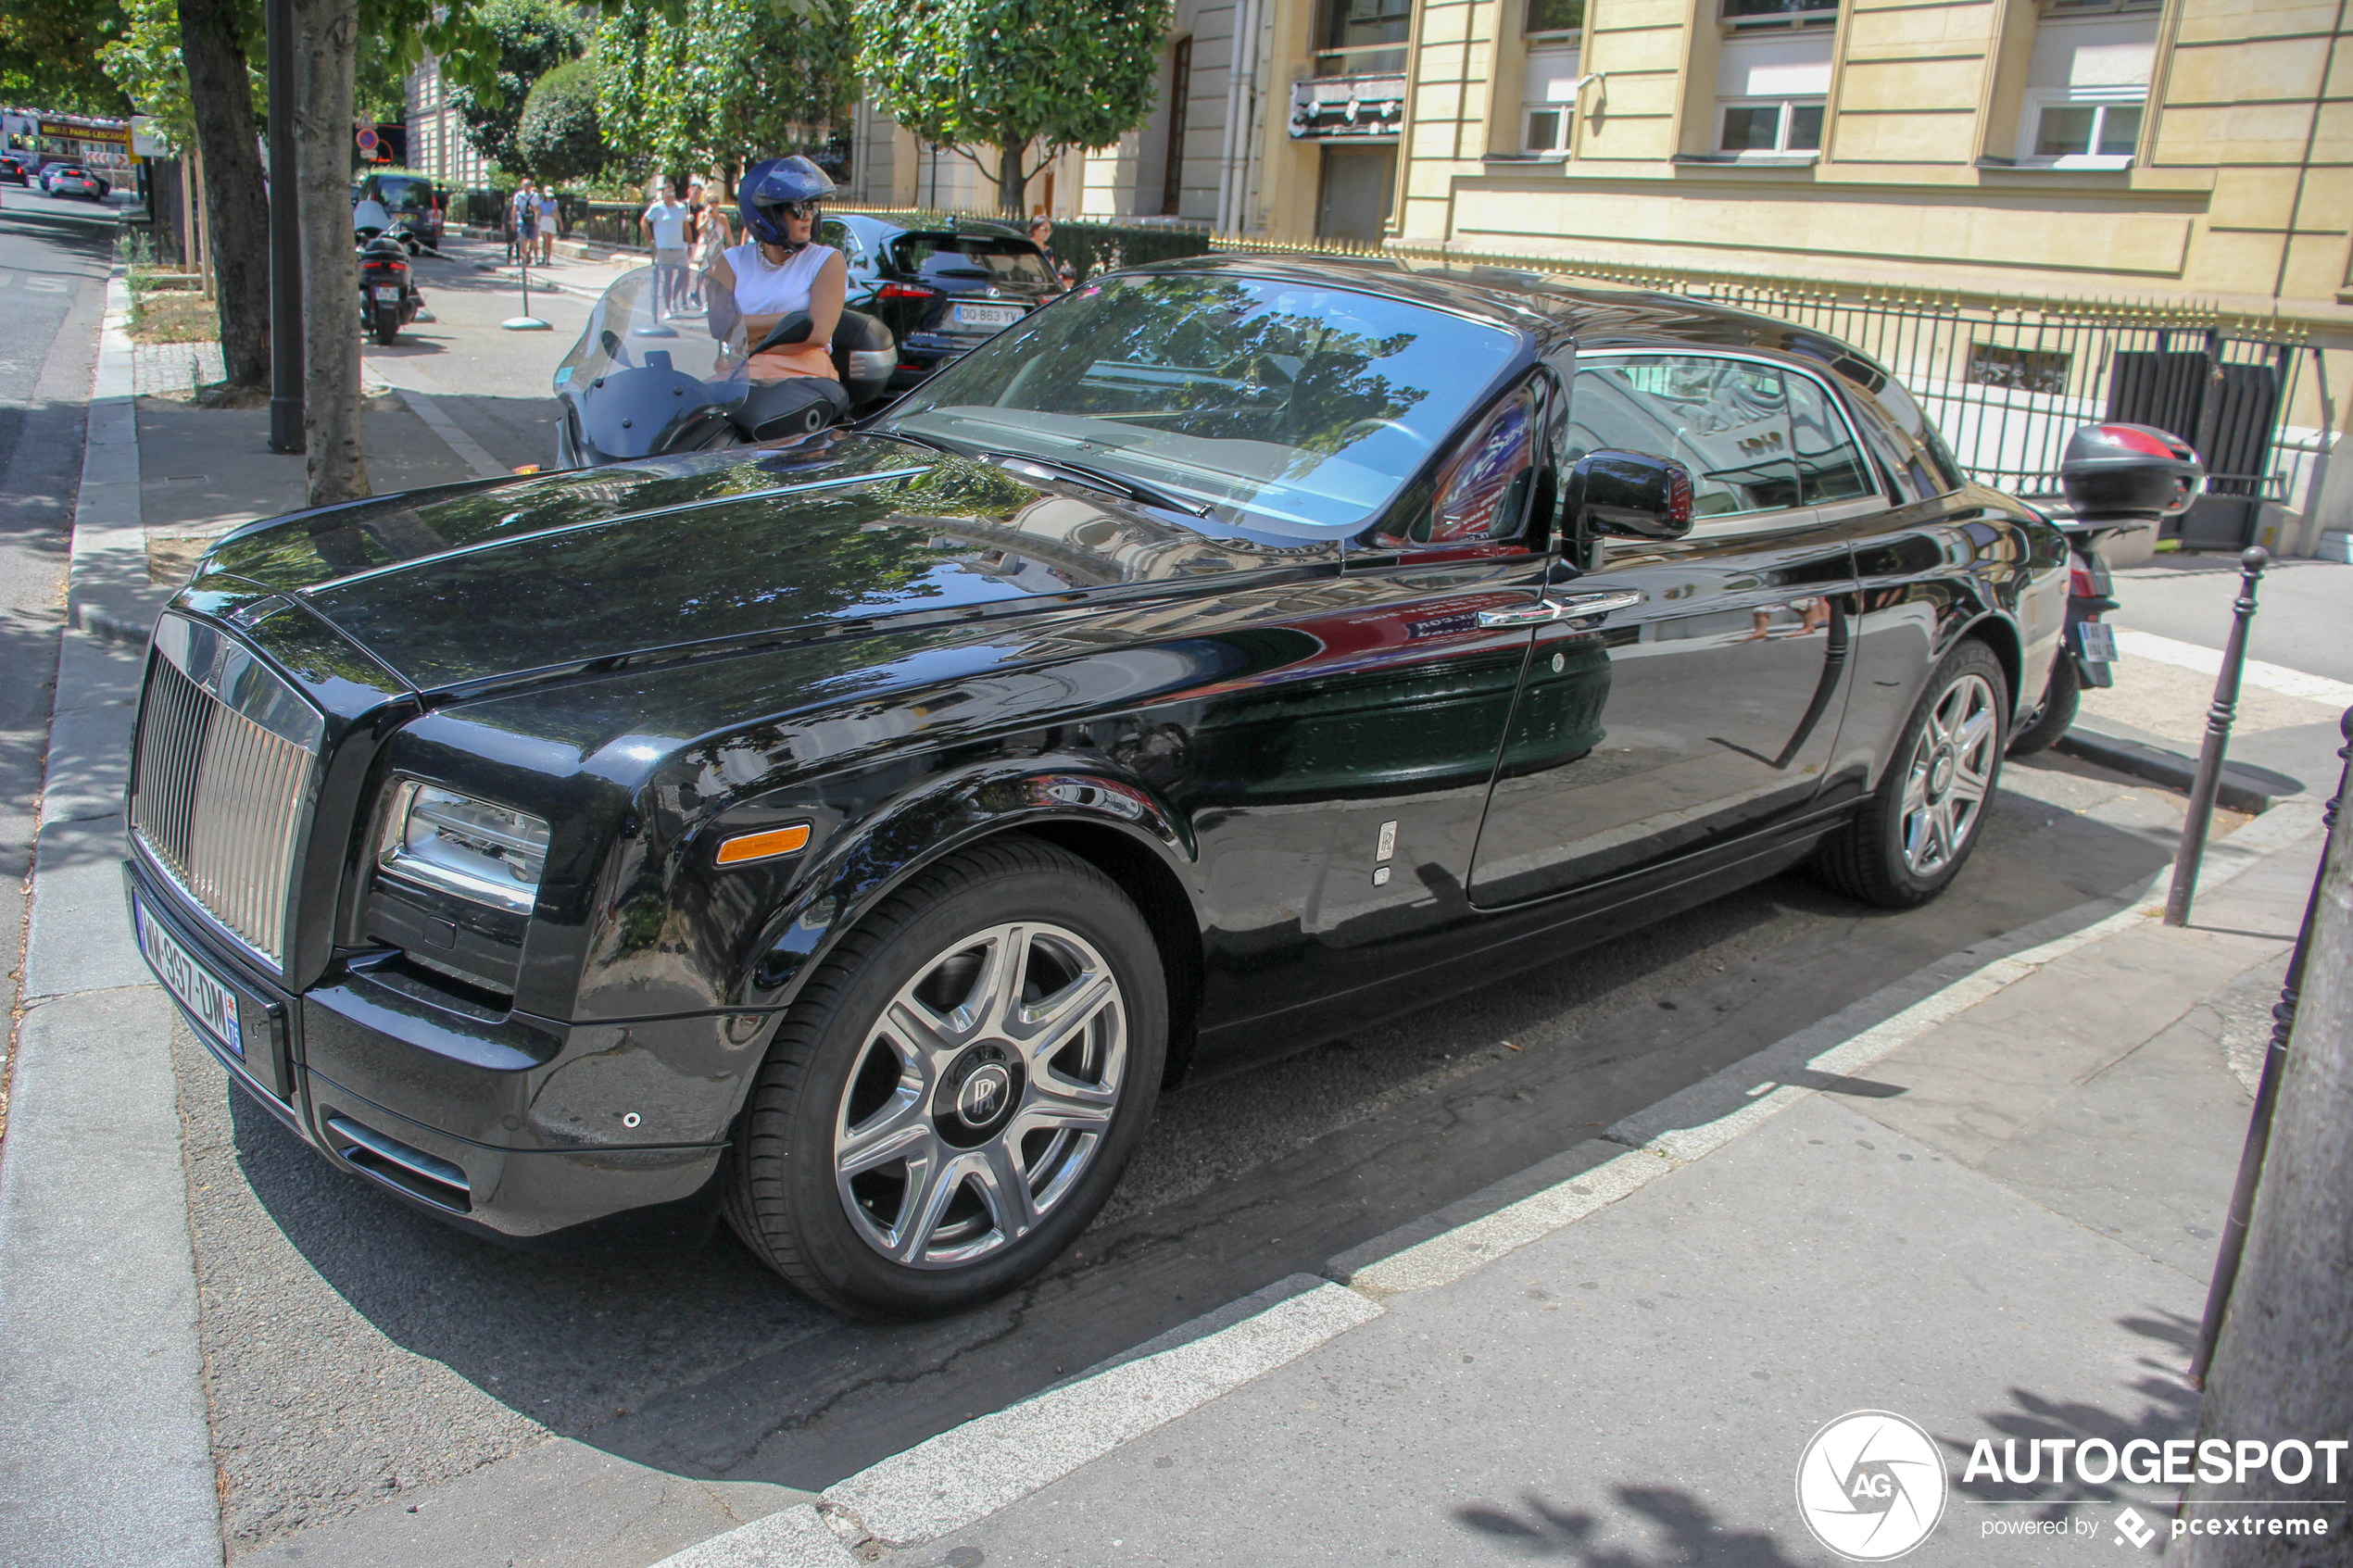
[(2218, 741), (2267, 1089)]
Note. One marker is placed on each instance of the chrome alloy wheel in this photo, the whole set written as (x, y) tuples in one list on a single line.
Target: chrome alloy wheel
[(1950, 771), (980, 1094)]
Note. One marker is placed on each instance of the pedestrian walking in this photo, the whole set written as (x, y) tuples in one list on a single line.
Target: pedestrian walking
[(664, 223), (527, 216), (712, 237), (550, 215)]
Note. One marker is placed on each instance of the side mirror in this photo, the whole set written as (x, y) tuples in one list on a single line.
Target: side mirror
[(1629, 495)]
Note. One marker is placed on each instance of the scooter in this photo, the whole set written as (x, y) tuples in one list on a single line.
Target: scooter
[(2118, 479), (389, 299), (635, 386)]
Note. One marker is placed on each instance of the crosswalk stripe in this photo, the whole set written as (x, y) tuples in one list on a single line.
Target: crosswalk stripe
[(2206, 661)]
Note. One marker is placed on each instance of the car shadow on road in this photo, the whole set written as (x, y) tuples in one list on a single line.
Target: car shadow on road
[(701, 1364)]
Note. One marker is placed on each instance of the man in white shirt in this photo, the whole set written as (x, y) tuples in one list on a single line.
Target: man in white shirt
[(665, 227), (522, 222)]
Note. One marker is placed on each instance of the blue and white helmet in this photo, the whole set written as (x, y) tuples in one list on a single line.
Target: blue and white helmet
[(768, 188)]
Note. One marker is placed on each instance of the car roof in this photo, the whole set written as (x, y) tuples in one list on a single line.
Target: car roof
[(1598, 315)]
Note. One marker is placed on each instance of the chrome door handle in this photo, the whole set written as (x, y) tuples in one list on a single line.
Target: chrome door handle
[(1525, 615), (1576, 607)]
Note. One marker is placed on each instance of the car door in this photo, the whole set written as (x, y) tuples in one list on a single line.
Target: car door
[(1699, 697)]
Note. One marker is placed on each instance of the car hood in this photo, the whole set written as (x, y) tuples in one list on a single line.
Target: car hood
[(480, 586)]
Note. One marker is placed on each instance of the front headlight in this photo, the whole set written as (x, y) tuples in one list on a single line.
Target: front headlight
[(464, 846)]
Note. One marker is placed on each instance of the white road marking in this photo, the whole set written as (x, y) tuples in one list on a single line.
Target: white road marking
[(791, 1537), (2256, 673), (421, 392)]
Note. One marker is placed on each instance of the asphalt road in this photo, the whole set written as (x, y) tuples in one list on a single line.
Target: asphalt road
[(359, 1352), (54, 257), (2304, 615)]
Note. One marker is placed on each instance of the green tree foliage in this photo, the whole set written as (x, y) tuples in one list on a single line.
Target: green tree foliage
[(725, 82), (521, 41), (1010, 74), (48, 55), (144, 58), (558, 137)]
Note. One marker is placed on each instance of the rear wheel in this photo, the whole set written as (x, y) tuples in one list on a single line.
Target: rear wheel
[(387, 324), (2060, 703), (957, 1089), (1916, 831)]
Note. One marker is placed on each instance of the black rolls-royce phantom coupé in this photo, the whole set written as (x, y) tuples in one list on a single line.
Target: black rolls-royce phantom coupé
[(853, 837)]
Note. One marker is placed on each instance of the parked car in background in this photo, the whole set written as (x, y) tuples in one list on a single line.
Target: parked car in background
[(16, 167), (410, 203), (72, 180), (851, 837), (941, 291)]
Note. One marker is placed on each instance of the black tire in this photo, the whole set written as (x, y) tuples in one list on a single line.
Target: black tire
[(835, 1069), (387, 326), (2060, 703), (1873, 857)]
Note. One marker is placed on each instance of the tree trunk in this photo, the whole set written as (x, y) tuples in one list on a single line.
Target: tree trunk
[(326, 51), (237, 224), (1011, 182), (2281, 1369)]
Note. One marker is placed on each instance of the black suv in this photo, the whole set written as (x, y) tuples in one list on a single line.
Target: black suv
[(941, 291)]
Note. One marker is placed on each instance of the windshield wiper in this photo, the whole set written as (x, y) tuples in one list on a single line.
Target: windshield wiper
[(1098, 478)]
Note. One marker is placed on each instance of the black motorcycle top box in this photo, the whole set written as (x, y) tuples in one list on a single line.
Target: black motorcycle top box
[(2129, 472)]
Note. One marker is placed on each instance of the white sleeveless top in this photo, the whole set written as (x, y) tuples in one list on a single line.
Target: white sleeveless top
[(764, 290)]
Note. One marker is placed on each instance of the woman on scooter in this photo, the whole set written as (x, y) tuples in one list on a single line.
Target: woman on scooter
[(778, 271)]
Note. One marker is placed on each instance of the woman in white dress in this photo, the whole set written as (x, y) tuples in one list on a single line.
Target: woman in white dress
[(778, 271)]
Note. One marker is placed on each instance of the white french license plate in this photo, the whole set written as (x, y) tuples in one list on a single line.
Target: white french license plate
[(987, 315), (388, 296), (2099, 642), (215, 1005)]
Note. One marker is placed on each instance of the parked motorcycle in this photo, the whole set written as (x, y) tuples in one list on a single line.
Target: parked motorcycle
[(2118, 479), (641, 383), (389, 298)]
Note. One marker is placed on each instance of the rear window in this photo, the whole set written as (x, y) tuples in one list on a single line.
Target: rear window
[(404, 196), (1000, 258)]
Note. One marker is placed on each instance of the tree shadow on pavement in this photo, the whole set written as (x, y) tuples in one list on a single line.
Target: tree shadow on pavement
[(1692, 1535)]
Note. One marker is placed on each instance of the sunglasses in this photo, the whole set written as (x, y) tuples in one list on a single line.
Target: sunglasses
[(804, 211)]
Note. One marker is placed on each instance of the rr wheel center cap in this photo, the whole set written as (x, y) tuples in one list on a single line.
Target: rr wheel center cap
[(1940, 772), (976, 1094)]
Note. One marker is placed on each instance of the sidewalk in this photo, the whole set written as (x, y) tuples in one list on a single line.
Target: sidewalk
[(1993, 1214)]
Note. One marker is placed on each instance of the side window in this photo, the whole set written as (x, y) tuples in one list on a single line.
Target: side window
[(1829, 468), (1905, 438), (1728, 420), (1482, 491)]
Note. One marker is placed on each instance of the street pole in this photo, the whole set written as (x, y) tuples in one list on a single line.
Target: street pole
[(527, 322), (285, 238), (2267, 1090), (2218, 742)]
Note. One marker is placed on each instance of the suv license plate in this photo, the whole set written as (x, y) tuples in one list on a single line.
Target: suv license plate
[(987, 315), (2099, 642), (214, 1005)]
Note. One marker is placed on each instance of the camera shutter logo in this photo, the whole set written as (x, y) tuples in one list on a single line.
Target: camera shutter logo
[(1871, 1485)]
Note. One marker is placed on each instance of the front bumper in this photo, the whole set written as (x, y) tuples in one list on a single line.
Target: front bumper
[(525, 1132)]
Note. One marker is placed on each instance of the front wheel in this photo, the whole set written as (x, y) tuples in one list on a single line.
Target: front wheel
[(1916, 831), (957, 1089)]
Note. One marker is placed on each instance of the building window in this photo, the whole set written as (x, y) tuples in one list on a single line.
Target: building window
[(2087, 85), (1547, 131), (1556, 33), (1769, 95), (1359, 36), (1788, 126), (1561, 16), (1744, 15)]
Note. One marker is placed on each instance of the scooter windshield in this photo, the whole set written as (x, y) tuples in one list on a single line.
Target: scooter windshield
[(644, 369)]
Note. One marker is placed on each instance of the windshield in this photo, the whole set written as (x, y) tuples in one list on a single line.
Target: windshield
[(627, 330), (1304, 404), (1000, 258)]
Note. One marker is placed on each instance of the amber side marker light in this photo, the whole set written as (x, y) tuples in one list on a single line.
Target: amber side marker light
[(764, 846)]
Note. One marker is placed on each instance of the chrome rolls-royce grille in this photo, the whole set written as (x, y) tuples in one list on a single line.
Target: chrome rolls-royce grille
[(226, 767)]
